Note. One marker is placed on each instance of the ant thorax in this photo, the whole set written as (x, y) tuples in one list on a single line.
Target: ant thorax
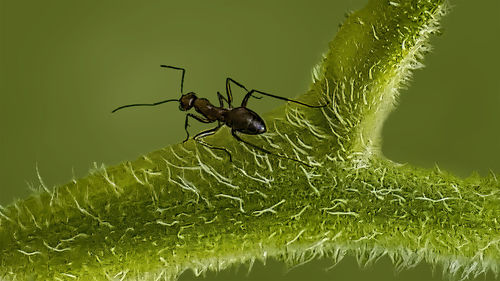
[(208, 110)]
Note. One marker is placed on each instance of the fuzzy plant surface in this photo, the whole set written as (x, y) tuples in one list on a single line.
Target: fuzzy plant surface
[(187, 207)]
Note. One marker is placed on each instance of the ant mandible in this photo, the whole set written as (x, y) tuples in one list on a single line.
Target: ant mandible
[(239, 119)]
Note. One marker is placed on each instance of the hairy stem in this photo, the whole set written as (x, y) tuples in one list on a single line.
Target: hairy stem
[(188, 207)]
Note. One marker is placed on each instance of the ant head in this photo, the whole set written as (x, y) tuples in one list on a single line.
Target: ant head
[(187, 101)]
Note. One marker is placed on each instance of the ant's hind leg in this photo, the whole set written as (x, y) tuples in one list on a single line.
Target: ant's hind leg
[(210, 132), (247, 97), (186, 123), (249, 94), (235, 135), (230, 93)]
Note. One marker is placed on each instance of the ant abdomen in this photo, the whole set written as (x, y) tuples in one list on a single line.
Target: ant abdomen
[(246, 121)]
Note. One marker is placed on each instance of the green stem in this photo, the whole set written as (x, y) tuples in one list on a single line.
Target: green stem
[(188, 207)]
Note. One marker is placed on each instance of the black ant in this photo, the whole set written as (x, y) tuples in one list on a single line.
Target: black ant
[(239, 119)]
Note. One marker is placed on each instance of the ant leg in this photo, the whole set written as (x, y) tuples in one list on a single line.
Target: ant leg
[(186, 123), (228, 88), (210, 132), (222, 99), (245, 99), (235, 135), (247, 96), (233, 132), (177, 68)]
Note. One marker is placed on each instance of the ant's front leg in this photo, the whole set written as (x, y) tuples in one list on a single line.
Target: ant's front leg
[(186, 123)]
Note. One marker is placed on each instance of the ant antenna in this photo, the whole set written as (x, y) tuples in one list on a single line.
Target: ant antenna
[(177, 68), (142, 104), (160, 102)]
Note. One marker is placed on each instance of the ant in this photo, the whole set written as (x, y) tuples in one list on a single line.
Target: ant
[(239, 119)]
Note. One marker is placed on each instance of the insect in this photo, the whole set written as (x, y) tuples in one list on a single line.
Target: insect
[(240, 119)]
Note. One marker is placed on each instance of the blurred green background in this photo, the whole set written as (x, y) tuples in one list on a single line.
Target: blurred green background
[(64, 65)]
